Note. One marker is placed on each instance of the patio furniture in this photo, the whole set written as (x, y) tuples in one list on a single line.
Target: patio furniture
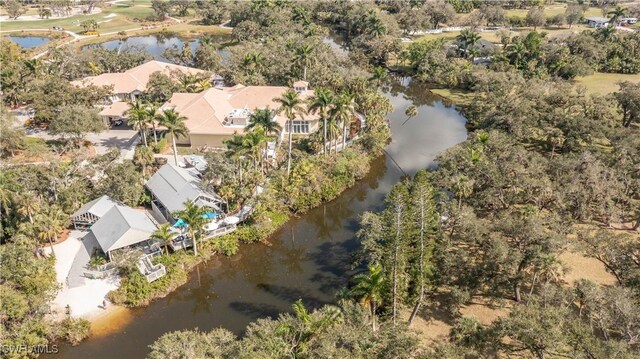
[(211, 226), (232, 220)]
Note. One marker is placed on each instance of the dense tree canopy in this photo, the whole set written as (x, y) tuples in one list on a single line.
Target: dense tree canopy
[(547, 167)]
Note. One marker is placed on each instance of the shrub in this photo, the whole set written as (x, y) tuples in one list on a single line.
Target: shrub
[(134, 289), (315, 179), (516, 21), (160, 146), (227, 245), (96, 261), (456, 299), (74, 330), (247, 234)]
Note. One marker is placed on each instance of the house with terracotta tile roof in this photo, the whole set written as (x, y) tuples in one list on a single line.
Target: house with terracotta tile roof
[(216, 114), (128, 85)]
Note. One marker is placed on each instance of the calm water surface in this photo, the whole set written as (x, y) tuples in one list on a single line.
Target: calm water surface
[(29, 42), (153, 44), (310, 257)]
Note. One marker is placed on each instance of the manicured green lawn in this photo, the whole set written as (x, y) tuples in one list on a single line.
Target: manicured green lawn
[(458, 97), (136, 2), (122, 21), (552, 10), (603, 83), (487, 35)]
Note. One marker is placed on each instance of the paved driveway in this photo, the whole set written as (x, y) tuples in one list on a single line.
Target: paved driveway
[(122, 137)]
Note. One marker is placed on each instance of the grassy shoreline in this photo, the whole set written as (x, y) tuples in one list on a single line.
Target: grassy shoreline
[(456, 96), (186, 32)]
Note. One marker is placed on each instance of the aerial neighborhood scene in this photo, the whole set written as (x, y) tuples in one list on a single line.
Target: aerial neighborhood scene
[(320, 179)]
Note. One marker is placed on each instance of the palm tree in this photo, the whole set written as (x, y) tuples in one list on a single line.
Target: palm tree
[(333, 131), (462, 187), (320, 103), (467, 40), (194, 216), (50, 223), (236, 150), (30, 204), (376, 27), (7, 192), (137, 117), (143, 157), (368, 289), (291, 106), (304, 57), (342, 112), (151, 114), (34, 66), (253, 63), (254, 143), (188, 83), (605, 33), (203, 84), (164, 235), (304, 328), (264, 118), (411, 111), (174, 123), (516, 52), (379, 75), (547, 268), (94, 68), (616, 14)]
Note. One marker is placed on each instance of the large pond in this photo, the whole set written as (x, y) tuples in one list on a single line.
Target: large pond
[(29, 42), (154, 45), (310, 257)]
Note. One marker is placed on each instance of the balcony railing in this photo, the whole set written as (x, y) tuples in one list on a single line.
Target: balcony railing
[(149, 270)]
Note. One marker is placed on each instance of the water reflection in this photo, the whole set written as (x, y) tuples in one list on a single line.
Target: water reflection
[(29, 42), (156, 45), (202, 295)]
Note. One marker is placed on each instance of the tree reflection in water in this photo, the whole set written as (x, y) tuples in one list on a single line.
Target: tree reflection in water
[(201, 293)]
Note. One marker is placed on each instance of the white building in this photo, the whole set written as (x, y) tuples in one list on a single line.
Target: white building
[(597, 22)]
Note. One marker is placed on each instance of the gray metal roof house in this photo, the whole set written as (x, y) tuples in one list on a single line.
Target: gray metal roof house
[(172, 186), (91, 212), (597, 21), (122, 227)]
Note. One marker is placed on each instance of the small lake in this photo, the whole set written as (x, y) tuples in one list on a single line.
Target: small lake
[(29, 42), (337, 43), (154, 45)]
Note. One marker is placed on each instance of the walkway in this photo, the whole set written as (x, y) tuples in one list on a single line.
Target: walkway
[(77, 37), (76, 277), (83, 295), (129, 151), (122, 138)]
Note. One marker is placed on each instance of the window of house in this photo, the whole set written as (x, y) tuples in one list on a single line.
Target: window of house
[(300, 127), (238, 121)]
